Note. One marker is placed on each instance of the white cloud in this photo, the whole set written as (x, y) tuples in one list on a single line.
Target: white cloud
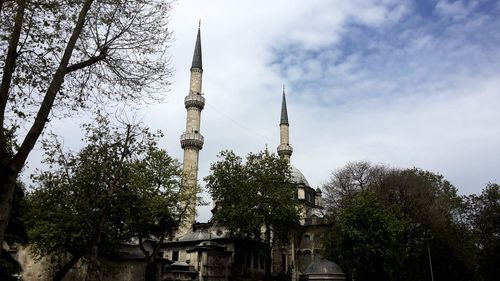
[(456, 9)]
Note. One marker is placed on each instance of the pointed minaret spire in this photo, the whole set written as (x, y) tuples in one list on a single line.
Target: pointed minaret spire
[(284, 149), (197, 63), (284, 113)]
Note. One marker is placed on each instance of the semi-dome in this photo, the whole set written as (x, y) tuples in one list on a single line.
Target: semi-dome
[(298, 177), (198, 235), (322, 269)]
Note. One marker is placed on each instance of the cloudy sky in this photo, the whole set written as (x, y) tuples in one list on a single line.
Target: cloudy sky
[(402, 83)]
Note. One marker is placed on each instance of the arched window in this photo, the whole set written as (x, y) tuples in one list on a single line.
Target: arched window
[(306, 241), (304, 260)]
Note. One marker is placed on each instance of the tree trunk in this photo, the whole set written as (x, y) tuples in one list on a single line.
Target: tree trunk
[(267, 271), (151, 269), (10, 65), (7, 175), (59, 275), (19, 159), (268, 253), (7, 186)]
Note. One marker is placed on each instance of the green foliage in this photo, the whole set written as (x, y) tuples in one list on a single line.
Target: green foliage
[(253, 194), (431, 206), (154, 206), (255, 199), (118, 187), (390, 221), (365, 238), (484, 218), (61, 56)]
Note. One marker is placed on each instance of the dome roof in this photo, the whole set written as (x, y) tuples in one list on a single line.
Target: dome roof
[(298, 177), (322, 266), (195, 236)]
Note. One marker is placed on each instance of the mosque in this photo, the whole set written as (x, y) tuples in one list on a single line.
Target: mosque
[(206, 251)]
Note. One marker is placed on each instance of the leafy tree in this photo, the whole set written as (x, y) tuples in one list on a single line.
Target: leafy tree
[(59, 56), (430, 205), (365, 239), (88, 203), (427, 210), (254, 200), (155, 210), (484, 216)]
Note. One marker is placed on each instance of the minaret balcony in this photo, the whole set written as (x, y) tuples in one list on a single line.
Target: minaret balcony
[(285, 149), (192, 140), (195, 100)]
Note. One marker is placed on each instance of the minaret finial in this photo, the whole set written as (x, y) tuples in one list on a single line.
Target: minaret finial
[(199, 23), (197, 62)]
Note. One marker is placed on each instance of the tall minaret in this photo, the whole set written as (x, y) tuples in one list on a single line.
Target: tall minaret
[(191, 139), (284, 149)]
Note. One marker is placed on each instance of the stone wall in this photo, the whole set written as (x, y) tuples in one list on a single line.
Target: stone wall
[(42, 270)]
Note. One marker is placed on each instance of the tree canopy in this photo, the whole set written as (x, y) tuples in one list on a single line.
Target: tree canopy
[(118, 187), (61, 56), (483, 216), (254, 199), (397, 221)]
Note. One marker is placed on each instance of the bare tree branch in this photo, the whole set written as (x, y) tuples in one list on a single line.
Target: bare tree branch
[(92, 60)]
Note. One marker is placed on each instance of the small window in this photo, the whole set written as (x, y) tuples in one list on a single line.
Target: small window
[(306, 260), (283, 262), (175, 255), (306, 241)]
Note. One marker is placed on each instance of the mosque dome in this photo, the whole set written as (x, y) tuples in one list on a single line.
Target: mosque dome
[(198, 235), (298, 177), (323, 266), (322, 269)]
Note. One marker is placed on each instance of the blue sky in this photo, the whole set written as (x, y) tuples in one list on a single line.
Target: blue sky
[(401, 83), (429, 42)]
